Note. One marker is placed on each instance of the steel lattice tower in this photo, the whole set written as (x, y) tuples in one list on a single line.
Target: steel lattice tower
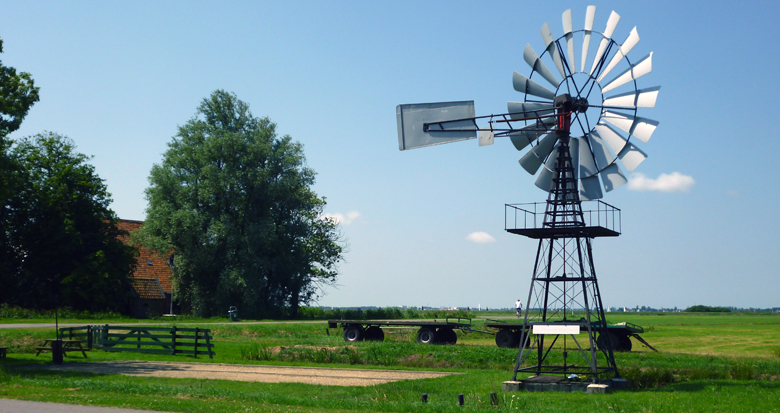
[(564, 297)]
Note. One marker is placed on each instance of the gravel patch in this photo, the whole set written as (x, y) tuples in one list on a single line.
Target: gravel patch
[(264, 374)]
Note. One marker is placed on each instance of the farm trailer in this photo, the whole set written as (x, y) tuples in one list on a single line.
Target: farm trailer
[(430, 332), (619, 335)]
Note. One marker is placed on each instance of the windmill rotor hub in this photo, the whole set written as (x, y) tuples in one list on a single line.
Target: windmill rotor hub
[(563, 101), (563, 107), (580, 105)]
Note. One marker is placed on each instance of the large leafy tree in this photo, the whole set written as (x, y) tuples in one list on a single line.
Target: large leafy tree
[(17, 95), (234, 200), (62, 235)]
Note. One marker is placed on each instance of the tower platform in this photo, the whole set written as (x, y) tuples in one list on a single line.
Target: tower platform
[(528, 220)]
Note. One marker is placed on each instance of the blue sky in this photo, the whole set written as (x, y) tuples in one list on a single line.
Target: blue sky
[(119, 77)]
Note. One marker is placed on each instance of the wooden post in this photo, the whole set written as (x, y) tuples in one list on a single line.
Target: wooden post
[(208, 344), (196, 342), (173, 337)]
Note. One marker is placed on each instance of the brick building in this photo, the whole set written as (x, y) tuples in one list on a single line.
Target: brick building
[(151, 281)]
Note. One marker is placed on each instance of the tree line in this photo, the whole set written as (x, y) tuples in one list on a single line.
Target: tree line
[(231, 199)]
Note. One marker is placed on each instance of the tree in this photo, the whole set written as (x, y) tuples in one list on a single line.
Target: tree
[(62, 235), (234, 200), (17, 95), (707, 309)]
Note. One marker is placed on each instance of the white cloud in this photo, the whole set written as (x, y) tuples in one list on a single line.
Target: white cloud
[(480, 237), (674, 182), (342, 219)]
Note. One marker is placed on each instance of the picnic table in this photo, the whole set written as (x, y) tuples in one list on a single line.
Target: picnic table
[(67, 345)]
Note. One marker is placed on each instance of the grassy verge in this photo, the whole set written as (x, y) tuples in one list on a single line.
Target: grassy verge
[(708, 363), (222, 396)]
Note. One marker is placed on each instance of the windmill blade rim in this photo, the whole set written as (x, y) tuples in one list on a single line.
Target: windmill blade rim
[(574, 153), (587, 162), (528, 160), (541, 149), (625, 48), (590, 17), (567, 33), (547, 172), (588, 183), (612, 23), (525, 85), (543, 107), (629, 151), (641, 68), (612, 177), (538, 65), (635, 129), (650, 96), (611, 137), (552, 48), (601, 153)]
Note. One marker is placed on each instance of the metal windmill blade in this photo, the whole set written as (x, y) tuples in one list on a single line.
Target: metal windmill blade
[(604, 119), (602, 126)]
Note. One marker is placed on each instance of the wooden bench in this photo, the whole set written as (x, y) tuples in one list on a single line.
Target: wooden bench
[(67, 345)]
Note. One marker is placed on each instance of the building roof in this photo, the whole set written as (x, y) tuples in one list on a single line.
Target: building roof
[(151, 266), (148, 289)]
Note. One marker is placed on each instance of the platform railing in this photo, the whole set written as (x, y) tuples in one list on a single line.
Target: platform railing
[(531, 215)]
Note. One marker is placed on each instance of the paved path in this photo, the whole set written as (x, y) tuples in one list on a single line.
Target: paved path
[(22, 406)]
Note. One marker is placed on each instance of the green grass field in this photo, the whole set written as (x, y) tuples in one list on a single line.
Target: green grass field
[(728, 362)]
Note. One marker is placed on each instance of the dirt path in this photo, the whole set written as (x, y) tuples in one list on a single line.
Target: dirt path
[(265, 374)]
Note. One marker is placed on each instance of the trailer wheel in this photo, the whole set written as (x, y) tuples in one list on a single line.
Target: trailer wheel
[(614, 341), (375, 334), (447, 336), (625, 343), (426, 335), (519, 336), (506, 339), (353, 333)]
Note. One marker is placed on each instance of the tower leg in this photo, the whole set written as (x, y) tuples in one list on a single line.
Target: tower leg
[(564, 301)]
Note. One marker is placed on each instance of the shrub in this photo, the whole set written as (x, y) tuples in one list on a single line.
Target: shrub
[(256, 352), (645, 378), (18, 313), (742, 372), (706, 309)]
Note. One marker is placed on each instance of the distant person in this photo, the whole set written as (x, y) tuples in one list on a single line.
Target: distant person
[(518, 307)]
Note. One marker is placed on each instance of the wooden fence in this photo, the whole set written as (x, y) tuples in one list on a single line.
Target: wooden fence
[(78, 333), (152, 340)]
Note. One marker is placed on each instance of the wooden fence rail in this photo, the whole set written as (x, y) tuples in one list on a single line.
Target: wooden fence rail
[(78, 333), (152, 340)]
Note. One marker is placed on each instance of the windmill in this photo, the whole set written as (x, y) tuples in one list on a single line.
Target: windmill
[(578, 136)]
